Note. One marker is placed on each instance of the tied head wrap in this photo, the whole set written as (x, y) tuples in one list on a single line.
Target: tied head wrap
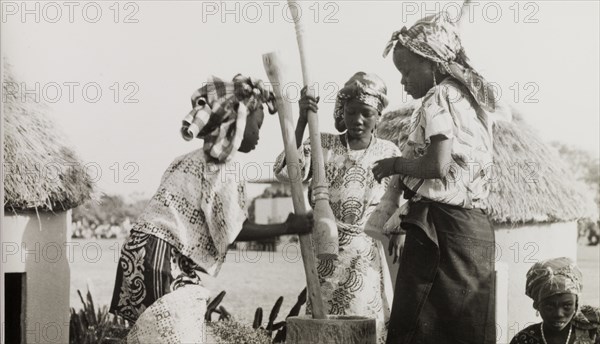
[(219, 111), (368, 89), (551, 277), (436, 38)]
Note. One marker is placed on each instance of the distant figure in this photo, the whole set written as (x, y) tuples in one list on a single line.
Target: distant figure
[(555, 286)]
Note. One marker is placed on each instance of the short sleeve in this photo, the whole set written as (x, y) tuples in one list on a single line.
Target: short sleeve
[(390, 150), (437, 117), (302, 168)]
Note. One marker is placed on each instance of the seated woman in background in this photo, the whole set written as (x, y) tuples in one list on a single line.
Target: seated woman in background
[(555, 287)]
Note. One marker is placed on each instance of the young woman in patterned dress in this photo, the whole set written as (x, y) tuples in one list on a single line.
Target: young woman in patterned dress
[(200, 206), (357, 282), (444, 290)]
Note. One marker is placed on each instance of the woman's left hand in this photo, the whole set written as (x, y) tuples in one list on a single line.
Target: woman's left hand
[(396, 246), (384, 168)]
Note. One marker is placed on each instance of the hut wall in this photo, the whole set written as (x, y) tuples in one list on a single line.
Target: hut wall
[(38, 247), (518, 248)]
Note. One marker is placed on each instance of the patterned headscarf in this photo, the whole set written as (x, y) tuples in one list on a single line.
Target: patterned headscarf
[(219, 113), (366, 88), (551, 277), (436, 38)]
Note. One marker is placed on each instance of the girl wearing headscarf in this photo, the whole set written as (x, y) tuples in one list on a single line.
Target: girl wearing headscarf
[(445, 285), (555, 287), (357, 282), (200, 207)]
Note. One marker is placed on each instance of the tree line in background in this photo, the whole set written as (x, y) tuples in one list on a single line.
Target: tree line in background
[(585, 166), (110, 209), (113, 210), (111, 215)]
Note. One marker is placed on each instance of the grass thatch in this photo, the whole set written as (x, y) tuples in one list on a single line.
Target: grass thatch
[(40, 170), (548, 193)]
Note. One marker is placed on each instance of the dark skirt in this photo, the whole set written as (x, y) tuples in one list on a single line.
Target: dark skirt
[(148, 268), (445, 290)]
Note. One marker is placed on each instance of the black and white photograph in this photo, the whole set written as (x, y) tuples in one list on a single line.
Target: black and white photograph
[(300, 172)]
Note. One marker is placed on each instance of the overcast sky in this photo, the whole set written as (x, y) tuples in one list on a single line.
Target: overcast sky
[(146, 58)]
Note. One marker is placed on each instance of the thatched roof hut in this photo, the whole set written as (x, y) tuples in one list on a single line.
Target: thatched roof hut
[(40, 170), (533, 184)]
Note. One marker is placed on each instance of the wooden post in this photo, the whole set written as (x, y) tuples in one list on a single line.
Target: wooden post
[(326, 233), (273, 68)]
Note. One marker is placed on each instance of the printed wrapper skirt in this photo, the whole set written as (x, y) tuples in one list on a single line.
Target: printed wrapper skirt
[(148, 268), (357, 281)]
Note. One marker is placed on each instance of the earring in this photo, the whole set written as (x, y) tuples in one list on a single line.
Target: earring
[(434, 81), (537, 314)]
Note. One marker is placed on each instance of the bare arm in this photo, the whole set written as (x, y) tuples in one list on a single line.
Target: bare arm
[(294, 224), (252, 231), (300, 128), (306, 103), (433, 165)]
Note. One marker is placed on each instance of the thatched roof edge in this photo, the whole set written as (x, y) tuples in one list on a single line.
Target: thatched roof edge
[(535, 185), (40, 169)]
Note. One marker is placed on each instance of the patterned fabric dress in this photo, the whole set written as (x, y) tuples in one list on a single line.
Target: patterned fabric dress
[(586, 329), (448, 110), (187, 226), (444, 293), (357, 282)]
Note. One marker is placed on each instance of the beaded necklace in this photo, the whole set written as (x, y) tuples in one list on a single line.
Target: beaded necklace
[(355, 160), (544, 337)]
